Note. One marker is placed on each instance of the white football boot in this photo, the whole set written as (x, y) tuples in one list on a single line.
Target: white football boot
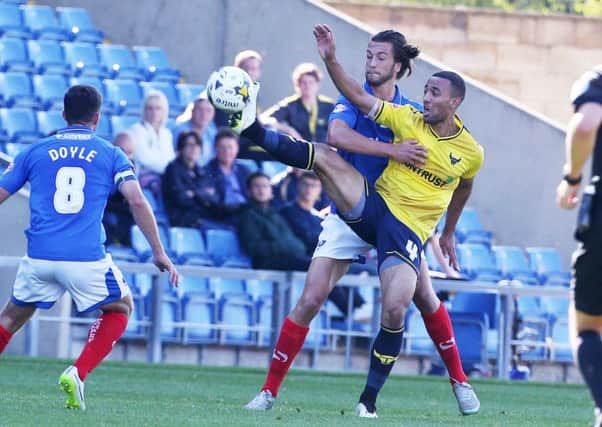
[(468, 402), (262, 402)]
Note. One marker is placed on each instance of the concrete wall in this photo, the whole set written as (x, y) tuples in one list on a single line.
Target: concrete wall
[(515, 190), (531, 58)]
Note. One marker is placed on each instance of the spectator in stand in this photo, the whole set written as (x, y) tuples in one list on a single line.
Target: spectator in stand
[(198, 118), (305, 114), (250, 61), (228, 177), (117, 218), (153, 145), (287, 187), (265, 234), (190, 197)]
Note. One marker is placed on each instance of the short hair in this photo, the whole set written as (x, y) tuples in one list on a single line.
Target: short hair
[(160, 96), (81, 103), (306, 68), (245, 55), (255, 175), (184, 136), (309, 175), (225, 132), (402, 51), (457, 83)]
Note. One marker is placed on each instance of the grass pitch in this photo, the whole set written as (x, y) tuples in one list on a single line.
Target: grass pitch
[(129, 394)]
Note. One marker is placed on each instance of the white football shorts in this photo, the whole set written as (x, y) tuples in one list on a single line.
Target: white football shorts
[(338, 241), (91, 284)]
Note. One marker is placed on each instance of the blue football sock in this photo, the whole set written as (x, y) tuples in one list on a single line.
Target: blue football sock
[(589, 354), (286, 149)]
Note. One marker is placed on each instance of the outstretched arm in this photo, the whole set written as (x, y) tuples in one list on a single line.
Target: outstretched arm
[(447, 241), (351, 89)]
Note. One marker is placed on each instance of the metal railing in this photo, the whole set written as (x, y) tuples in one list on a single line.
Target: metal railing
[(283, 282)]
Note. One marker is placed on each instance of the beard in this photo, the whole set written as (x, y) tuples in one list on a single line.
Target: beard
[(378, 81)]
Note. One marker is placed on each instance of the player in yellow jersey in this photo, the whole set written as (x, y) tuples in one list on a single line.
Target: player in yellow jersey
[(394, 218)]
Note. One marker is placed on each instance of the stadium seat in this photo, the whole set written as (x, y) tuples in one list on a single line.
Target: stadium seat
[(50, 121), (477, 262), (104, 129), (50, 89), (170, 314), (122, 123), (153, 62), (470, 331), (125, 95), (14, 56), (555, 307), (193, 285), (221, 286), (188, 92), (133, 330), (119, 61), (317, 338), (121, 253), (249, 164), (560, 346), (431, 259), (259, 288), (42, 21), (77, 22), (140, 244), (416, 338), (83, 59), (20, 125), (11, 22), (534, 331), (168, 89), (48, 57), (273, 168), (263, 310), (548, 266), (16, 91), (236, 310), (223, 245), (188, 246), (482, 303), (512, 262), (469, 228), (199, 309)]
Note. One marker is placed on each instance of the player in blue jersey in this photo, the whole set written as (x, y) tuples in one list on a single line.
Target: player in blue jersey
[(367, 146), (71, 175)]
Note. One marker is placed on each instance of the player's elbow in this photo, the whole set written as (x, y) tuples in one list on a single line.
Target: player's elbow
[(336, 135)]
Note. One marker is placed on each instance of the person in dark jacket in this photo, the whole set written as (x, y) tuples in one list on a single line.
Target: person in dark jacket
[(190, 197), (287, 187), (228, 177), (265, 234)]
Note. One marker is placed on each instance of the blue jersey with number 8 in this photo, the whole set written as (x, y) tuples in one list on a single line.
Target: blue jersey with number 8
[(71, 175)]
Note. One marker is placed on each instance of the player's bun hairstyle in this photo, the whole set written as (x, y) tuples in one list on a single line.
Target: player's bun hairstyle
[(184, 136), (225, 132), (254, 176), (81, 103), (402, 51), (457, 82)]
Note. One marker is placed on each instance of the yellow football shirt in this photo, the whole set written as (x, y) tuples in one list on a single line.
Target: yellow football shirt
[(418, 196)]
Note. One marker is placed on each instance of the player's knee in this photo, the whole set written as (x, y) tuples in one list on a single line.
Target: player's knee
[(311, 302), (426, 300)]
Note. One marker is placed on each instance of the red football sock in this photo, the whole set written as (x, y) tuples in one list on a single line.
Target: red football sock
[(103, 334), (5, 337), (291, 339), (439, 327)]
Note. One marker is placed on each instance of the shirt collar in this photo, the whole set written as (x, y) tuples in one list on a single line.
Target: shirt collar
[(76, 128), (396, 98)]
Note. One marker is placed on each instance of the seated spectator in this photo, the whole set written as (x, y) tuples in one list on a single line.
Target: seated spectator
[(117, 219), (199, 119), (265, 234), (305, 114), (190, 197), (228, 177), (153, 146), (287, 186)]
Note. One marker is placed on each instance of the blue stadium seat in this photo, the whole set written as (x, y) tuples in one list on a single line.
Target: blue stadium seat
[(470, 330), (476, 261), (481, 303), (548, 266), (50, 89), (193, 285), (188, 246), (555, 307), (168, 89), (42, 21), (135, 331), (431, 259), (14, 56), (153, 62), (188, 92), (249, 164), (469, 228), (259, 288), (20, 125), (512, 262), (121, 253), (16, 91), (95, 82), (263, 320), (119, 61), (535, 332), (48, 57), (416, 338), (223, 245), (170, 313), (104, 128), (273, 168), (11, 22), (122, 123), (221, 286), (141, 246), (50, 121), (200, 309), (83, 59), (315, 338), (529, 307), (125, 95), (77, 22), (236, 310), (560, 347)]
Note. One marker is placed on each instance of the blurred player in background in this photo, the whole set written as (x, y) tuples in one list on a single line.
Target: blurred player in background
[(584, 137), (72, 175)]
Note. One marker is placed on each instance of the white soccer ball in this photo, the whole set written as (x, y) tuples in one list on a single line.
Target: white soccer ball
[(228, 89)]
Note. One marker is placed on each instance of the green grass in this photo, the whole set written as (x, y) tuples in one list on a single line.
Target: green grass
[(151, 395)]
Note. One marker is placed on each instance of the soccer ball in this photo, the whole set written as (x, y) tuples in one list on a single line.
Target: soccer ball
[(228, 89)]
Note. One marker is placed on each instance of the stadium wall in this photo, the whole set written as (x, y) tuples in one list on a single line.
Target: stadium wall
[(524, 152)]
